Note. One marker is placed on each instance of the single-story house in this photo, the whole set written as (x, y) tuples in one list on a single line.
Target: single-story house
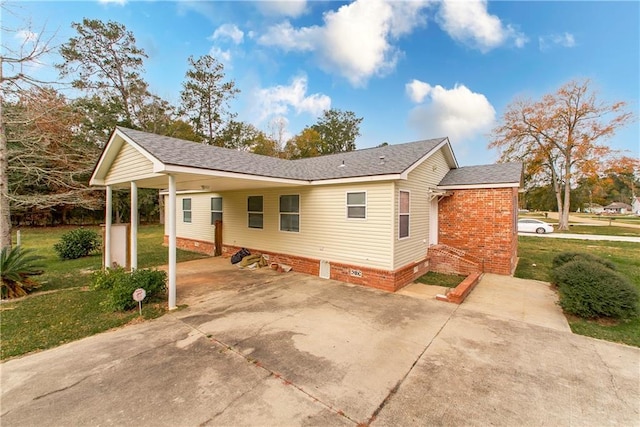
[(367, 217), (635, 206), (593, 208), (617, 208)]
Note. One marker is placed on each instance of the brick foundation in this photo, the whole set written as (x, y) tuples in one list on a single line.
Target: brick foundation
[(482, 222), (375, 278), (192, 245)]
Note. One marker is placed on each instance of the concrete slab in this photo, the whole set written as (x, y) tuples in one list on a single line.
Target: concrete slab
[(529, 301), (265, 348), (420, 290)]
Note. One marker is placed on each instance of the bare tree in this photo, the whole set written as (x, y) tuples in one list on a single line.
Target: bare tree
[(15, 77)]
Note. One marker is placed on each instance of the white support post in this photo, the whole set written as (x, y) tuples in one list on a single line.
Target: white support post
[(172, 242), (134, 226), (107, 228)]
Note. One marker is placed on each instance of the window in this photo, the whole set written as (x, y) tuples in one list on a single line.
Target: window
[(216, 209), (186, 210), (357, 205), (290, 213), (403, 215), (254, 209)]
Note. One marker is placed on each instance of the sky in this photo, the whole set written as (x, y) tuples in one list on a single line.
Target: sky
[(411, 69)]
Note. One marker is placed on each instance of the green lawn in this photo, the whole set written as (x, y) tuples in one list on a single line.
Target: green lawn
[(535, 263), (71, 310), (440, 279)]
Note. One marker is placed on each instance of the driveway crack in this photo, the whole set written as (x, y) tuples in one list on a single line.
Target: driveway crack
[(42, 396)]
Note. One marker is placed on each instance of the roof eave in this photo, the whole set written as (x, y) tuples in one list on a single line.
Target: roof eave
[(478, 186)]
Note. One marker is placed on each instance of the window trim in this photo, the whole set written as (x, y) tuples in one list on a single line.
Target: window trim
[(347, 205), (212, 211), (280, 213), (408, 215), (190, 211), (261, 213)]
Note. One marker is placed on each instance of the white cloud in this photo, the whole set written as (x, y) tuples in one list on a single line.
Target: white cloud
[(457, 113), (118, 2), (26, 36), (355, 41), (280, 100), (469, 22), (223, 56), (228, 31), (291, 8), (562, 40)]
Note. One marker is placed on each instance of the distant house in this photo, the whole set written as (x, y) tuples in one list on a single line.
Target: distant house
[(635, 206), (618, 208), (368, 216), (594, 208)]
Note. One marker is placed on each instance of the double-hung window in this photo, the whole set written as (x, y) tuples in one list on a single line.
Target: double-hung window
[(357, 205), (290, 213), (254, 211), (403, 214), (186, 210), (216, 209)]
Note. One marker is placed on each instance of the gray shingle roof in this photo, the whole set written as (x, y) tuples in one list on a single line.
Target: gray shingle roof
[(500, 173), (367, 162)]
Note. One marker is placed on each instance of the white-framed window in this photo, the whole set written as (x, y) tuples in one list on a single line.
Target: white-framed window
[(404, 206), (290, 213), (186, 210), (216, 209), (357, 205), (255, 212)]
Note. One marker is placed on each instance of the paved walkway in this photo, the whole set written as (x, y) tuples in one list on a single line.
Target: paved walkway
[(261, 348)]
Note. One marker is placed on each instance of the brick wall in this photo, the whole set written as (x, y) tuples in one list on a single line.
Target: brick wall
[(375, 278), (482, 222), (192, 245)]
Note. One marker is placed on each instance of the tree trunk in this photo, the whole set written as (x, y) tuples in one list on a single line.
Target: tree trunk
[(161, 207), (563, 217), (5, 210)]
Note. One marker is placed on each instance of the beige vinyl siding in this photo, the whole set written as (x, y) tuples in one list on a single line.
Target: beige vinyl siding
[(325, 232), (200, 227), (428, 174), (129, 164)]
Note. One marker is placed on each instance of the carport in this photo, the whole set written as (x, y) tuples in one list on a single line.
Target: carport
[(132, 159)]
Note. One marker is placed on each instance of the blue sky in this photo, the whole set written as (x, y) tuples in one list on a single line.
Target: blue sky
[(411, 69)]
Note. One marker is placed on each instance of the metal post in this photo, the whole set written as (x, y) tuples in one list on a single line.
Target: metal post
[(134, 226), (172, 242), (107, 228)]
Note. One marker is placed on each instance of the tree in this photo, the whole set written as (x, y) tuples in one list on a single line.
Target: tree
[(49, 167), (338, 131), (205, 97), (15, 77), (106, 62), (559, 137), (306, 144), (237, 136), (265, 146)]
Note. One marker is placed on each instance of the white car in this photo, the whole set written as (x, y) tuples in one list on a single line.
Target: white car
[(529, 225)]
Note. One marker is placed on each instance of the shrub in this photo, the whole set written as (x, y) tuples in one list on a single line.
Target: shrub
[(566, 257), (591, 290), (17, 266), (120, 285), (77, 243)]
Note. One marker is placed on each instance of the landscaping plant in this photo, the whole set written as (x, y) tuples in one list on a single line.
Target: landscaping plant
[(120, 285), (77, 243), (589, 289), (17, 266)]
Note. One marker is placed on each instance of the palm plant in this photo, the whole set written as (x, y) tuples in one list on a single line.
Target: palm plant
[(17, 266)]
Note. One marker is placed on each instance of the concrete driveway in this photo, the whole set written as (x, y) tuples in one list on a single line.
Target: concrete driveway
[(264, 348)]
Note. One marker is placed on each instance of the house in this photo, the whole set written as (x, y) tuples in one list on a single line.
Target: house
[(635, 205), (367, 217), (593, 208), (617, 208)]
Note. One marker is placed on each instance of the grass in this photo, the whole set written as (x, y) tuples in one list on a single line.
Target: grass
[(71, 310), (601, 230), (535, 263), (440, 279)]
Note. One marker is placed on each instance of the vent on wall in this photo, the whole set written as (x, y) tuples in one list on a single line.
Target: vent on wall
[(325, 269)]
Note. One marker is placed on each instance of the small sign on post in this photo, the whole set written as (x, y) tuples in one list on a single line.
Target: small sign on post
[(138, 295)]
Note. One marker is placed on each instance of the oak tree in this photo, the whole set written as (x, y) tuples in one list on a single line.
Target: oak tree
[(560, 137), (338, 131)]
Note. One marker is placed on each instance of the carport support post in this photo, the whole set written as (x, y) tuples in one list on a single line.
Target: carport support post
[(134, 226), (172, 242), (107, 227)]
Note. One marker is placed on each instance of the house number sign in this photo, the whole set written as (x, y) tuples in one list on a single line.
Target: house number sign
[(138, 295)]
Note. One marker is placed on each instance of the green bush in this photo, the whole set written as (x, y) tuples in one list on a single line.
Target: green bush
[(566, 257), (590, 290), (120, 285), (17, 265), (77, 243)]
